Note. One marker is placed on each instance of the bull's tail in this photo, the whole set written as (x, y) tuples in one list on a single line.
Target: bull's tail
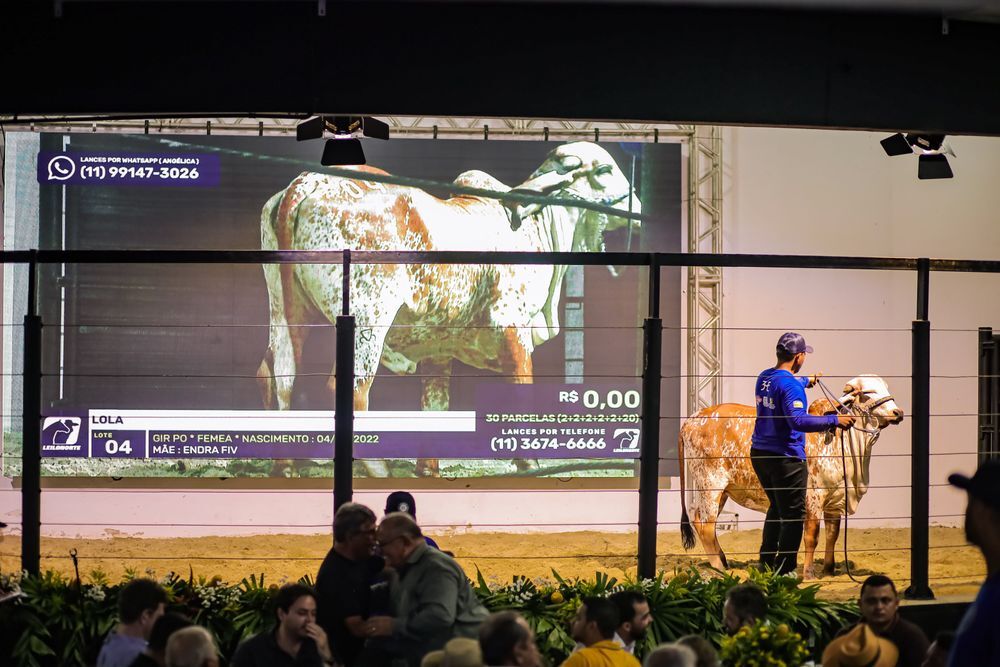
[(687, 532)]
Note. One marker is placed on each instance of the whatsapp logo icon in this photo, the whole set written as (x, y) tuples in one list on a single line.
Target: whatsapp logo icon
[(61, 168)]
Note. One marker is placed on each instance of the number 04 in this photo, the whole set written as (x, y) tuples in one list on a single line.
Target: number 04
[(113, 447)]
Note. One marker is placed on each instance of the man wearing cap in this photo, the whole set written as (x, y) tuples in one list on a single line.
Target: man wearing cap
[(977, 641), (778, 450), (401, 501)]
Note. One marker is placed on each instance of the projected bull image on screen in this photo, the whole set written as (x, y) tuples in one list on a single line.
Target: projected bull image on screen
[(441, 309), (460, 370)]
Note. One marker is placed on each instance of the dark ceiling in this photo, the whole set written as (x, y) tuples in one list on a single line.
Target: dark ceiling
[(894, 68)]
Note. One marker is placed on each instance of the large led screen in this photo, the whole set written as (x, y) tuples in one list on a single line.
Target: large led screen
[(227, 370)]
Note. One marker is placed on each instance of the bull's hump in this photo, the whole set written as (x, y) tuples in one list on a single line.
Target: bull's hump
[(726, 410)]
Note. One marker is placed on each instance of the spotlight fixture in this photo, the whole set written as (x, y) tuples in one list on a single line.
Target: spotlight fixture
[(933, 149), (344, 146)]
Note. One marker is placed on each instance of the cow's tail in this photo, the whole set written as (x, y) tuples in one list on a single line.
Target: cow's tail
[(687, 532)]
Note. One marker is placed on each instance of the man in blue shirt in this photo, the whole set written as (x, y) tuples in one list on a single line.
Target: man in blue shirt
[(977, 641), (778, 451)]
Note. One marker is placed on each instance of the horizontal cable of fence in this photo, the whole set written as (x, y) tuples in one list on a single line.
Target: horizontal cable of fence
[(674, 459), (589, 492), (458, 554), (724, 260), (853, 519), (55, 373), (730, 457), (569, 417), (637, 327), (464, 525), (833, 487)]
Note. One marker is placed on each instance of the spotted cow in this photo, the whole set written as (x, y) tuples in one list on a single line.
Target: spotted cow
[(417, 318), (714, 452)]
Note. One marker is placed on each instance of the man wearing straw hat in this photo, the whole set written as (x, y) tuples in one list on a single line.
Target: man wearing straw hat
[(778, 453), (860, 647)]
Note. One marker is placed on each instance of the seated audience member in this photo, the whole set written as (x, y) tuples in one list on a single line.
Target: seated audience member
[(192, 647), (296, 641), (343, 585), (507, 640), (937, 653), (977, 641), (594, 627), (860, 647), (671, 655), (745, 605), (155, 654), (140, 603), (707, 655), (879, 606), (458, 652), (633, 610), (401, 501), (436, 602)]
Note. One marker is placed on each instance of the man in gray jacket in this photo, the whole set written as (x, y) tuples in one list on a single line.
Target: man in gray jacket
[(434, 600)]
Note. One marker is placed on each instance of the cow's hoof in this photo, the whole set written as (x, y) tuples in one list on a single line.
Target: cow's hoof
[(828, 572), (808, 573)]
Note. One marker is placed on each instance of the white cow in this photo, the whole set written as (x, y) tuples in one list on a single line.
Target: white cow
[(714, 452)]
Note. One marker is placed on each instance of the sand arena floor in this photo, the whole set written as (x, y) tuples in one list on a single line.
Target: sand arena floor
[(956, 570)]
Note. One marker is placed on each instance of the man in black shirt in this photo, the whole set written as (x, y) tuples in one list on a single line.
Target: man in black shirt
[(879, 605), (345, 579), (297, 641), (155, 654)]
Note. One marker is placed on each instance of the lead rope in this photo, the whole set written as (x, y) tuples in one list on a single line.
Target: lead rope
[(843, 462), (843, 409)]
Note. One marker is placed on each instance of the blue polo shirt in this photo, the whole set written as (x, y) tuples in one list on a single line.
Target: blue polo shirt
[(782, 420)]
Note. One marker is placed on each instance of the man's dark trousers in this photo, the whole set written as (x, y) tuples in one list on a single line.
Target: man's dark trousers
[(784, 479)]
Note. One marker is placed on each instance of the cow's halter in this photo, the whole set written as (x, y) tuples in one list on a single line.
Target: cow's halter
[(866, 412)]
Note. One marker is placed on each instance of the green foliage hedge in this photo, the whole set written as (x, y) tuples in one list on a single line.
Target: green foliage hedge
[(56, 621)]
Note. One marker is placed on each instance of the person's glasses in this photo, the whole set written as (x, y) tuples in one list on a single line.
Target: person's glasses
[(382, 544)]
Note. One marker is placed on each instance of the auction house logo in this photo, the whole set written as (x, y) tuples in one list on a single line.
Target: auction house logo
[(627, 440), (61, 430)]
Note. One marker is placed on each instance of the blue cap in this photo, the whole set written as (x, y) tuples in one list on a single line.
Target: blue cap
[(401, 501), (793, 343)]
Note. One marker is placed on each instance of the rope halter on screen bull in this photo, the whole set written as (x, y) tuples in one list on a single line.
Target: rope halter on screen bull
[(556, 180)]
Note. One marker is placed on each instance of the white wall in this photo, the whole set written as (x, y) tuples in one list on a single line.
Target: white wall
[(837, 193), (787, 191)]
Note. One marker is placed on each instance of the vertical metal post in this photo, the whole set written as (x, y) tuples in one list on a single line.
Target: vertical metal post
[(31, 439), (987, 399), (920, 451), (994, 407), (649, 441), (343, 448)]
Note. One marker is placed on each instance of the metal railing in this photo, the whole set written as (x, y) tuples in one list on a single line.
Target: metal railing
[(651, 363)]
